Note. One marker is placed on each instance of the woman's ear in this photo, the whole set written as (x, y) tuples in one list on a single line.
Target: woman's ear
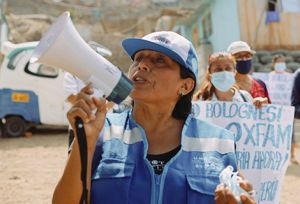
[(187, 86)]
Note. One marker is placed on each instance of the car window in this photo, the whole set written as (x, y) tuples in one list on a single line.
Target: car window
[(41, 70)]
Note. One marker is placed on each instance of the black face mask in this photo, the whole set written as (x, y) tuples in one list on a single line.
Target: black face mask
[(243, 66)]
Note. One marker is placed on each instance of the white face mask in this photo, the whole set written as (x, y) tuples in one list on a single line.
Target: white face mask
[(280, 66), (223, 81)]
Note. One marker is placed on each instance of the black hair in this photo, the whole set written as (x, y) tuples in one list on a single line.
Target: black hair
[(184, 104)]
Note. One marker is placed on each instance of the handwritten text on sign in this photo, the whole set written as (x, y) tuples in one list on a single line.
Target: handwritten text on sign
[(263, 140), (279, 86)]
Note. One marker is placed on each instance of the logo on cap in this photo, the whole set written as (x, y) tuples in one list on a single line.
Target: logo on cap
[(161, 39)]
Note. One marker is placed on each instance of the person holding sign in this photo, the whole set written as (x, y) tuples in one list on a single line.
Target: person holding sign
[(279, 64), (156, 152), (243, 56), (219, 82), (279, 68)]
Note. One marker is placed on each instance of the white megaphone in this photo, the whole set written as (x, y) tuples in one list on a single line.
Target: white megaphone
[(63, 47)]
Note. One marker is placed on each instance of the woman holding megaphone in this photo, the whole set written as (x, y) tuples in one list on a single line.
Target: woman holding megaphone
[(155, 152)]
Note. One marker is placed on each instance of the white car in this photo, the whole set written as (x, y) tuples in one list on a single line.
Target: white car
[(31, 94)]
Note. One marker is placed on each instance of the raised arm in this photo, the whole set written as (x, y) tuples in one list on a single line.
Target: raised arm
[(69, 187)]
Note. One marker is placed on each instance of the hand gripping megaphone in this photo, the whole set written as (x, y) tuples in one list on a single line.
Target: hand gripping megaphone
[(63, 47)]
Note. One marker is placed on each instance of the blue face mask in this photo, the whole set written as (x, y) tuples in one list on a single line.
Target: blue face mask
[(223, 81), (243, 66), (280, 66)]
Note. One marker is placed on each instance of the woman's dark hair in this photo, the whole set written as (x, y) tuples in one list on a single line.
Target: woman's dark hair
[(184, 104), (206, 89)]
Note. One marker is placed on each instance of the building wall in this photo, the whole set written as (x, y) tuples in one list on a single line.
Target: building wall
[(225, 24), (214, 28), (281, 35)]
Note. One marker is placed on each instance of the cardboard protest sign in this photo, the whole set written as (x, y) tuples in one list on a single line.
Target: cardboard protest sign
[(263, 141), (279, 86)]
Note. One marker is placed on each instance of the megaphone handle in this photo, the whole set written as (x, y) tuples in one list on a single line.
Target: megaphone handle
[(83, 157)]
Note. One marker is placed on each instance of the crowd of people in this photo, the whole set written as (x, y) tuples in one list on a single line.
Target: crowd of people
[(155, 150)]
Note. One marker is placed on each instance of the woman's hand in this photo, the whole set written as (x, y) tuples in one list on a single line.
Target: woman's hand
[(260, 101), (85, 107), (224, 196)]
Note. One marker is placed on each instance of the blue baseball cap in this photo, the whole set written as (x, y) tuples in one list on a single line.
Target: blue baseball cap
[(169, 43)]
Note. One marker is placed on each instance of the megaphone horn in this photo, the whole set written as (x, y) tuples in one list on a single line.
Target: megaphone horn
[(63, 47)]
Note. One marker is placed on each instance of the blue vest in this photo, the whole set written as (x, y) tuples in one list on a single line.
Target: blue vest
[(121, 172)]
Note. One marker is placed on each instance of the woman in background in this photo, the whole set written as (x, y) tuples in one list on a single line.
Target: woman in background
[(242, 53), (279, 65), (219, 82)]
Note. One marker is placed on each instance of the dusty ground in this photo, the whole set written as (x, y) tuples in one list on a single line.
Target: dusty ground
[(30, 167)]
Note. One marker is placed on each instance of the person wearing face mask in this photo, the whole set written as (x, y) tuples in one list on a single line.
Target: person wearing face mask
[(279, 64), (243, 56), (279, 68), (156, 151), (219, 82)]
